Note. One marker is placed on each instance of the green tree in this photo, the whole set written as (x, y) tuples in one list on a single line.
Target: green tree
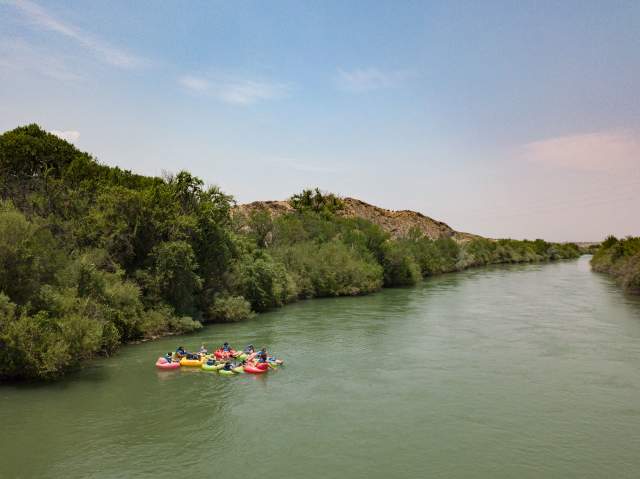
[(175, 271)]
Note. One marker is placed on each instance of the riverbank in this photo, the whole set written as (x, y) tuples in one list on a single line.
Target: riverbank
[(296, 300), (95, 256), (620, 258)]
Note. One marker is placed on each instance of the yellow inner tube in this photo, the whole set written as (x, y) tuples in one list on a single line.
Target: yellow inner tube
[(190, 362)]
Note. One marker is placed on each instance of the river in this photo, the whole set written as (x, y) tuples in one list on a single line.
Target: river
[(521, 371)]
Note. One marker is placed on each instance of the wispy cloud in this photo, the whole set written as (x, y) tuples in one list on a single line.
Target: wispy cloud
[(16, 55), (69, 135), (599, 151), (39, 17), (232, 90), (367, 79), (194, 83)]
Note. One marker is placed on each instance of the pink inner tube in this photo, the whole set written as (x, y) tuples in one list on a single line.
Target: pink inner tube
[(248, 368), (162, 363)]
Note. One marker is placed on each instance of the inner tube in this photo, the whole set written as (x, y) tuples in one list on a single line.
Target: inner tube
[(162, 363), (241, 356), (194, 363), (238, 369), (224, 372), (263, 366), (248, 368), (220, 354), (209, 367)]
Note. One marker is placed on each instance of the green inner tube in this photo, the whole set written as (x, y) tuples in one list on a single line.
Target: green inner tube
[(239, 369), (207, 367), (226, 373)]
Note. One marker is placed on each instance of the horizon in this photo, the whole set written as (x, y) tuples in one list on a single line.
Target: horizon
[(503, 121)]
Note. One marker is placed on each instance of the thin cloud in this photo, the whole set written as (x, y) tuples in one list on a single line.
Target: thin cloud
[(599, 151), (39, 17), (16, 55), (194, 83), (368, 79), (233, 91), (69, 135)]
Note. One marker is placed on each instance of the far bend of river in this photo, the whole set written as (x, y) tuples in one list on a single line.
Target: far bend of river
[(506, 372)]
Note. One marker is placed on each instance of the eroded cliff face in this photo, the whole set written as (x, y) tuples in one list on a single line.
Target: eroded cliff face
[(396, 223)]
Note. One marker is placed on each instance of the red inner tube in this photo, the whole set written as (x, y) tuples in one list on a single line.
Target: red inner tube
[(220, 354), (253, 369)]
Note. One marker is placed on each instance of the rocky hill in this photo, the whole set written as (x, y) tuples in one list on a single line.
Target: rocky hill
[(396, 223)]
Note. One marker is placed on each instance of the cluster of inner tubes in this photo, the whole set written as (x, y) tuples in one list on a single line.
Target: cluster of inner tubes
[(225, 360)]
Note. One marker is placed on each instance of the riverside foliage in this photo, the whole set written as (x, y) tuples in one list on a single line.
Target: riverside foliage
[(621, 259), (92, 256)]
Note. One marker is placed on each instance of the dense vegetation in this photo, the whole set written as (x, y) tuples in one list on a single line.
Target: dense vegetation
[(92, 256), (621, 259)]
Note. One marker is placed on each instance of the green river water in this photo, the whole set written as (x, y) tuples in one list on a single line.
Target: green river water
[(508, 372)]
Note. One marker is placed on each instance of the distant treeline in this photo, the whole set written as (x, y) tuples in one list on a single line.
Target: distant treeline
[(621, 259), (93, 256)]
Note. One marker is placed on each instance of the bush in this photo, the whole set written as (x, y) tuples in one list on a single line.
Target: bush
[(82, 335), (316, 201), (330, 269), (110, 338), (154, 322), (184, 325), (230, 309), (262, 281), (621, 259), (33, 347), (400, 267)]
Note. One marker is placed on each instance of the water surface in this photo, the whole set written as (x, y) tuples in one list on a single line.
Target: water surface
[(523, 371)]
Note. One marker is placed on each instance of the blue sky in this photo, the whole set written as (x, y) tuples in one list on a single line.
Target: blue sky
[(509, 119)]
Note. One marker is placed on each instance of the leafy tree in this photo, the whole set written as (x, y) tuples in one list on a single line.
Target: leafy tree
[(175, 270)]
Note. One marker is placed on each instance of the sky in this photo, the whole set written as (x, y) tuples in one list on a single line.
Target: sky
[(506, 119)]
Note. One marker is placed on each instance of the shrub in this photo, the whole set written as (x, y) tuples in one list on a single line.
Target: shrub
[(230, 309), (330, 269), (316, 201), (184, 325), (33, 346), (621, 259), (262, 281), (400, 267)]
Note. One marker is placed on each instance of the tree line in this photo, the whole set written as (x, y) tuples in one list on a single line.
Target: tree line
[(93, 256), (621, 259)]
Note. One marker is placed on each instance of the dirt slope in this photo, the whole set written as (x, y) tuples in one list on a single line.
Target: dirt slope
[(396, 223)]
